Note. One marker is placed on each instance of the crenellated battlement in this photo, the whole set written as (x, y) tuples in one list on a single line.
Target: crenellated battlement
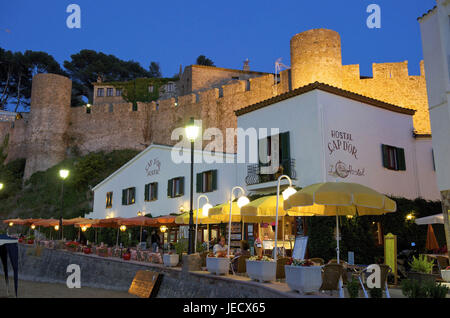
[(213, 94)]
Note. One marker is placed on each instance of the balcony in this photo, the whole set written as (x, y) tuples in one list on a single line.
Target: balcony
[(254, 175)]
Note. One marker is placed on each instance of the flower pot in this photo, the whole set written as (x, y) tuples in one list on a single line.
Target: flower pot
[(304, 279), (126, 256), (263, 271), (422, 277), (445, 273), (30, 241), (21, 240), (171, 260), (87, 250), (218, 265)]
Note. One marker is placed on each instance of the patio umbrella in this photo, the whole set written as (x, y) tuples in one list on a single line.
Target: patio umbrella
[(16, 221), (431, 243), (164, 220), (47, 222), (8, 246), (88, 223), (340, 198), (432, 219), (110, 223)]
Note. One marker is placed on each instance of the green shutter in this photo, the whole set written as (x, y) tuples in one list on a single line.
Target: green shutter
[(124, 197), (147, 192), (199, 185), (170, 188), (214, 180), (182, 186), (155, 191), (385, 156), (401, 159), (132, 195), (285, 153)]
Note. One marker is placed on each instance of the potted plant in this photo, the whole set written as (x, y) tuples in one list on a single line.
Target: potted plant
[(171, 259), (218, 265), (436, 290), (72, 246), (303, 276), (262, 268), (127, 255), (181, 246), (445, 273), (376, 292), (102, 251), (87, 249), (421, 269), (30, 239), (21, 239)]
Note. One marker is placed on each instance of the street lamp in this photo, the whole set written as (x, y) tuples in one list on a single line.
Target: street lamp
[(205, 210), (1, 186), (243, 200), (63, 173), (286, 194), (191, 133)]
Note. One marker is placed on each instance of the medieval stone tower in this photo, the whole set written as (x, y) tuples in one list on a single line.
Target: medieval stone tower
[(55, 129), (49, 121), (316, 56)]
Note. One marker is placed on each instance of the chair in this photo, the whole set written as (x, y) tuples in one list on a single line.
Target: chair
[(239, 265), (317, 260), (385, 270), (331, 275), (442, 262), (280, 267)]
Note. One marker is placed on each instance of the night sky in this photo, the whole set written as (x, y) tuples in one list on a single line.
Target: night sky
[(176, 32)]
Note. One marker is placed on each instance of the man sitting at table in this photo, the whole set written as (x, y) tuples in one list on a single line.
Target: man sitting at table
[(220, 249)]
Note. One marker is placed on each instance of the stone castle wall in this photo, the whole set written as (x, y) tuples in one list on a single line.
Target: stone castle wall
[(55, 128)]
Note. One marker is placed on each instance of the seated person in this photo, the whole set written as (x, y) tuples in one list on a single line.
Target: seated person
[(242, 251), (220, 249)]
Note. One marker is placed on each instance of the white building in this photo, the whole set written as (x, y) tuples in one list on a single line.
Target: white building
[(326, 134), (435, 30)]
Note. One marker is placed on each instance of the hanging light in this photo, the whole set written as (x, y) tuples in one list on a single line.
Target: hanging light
[(163, 228), (205, 209), (56, 227), (84, 228), (410, 217), (11, 224), (288, 192), (243, 200), (33, 226), (123, 228)]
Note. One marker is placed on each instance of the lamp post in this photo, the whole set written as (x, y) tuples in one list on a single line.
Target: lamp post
[(163, 230), (205, 210), (286, 194), (191, 134), (63, 173), (243, 200)]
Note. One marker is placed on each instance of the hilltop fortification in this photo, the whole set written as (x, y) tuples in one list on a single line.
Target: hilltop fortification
[(54, 130)]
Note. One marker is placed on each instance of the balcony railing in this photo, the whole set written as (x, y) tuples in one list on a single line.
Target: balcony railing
[(254, 175)]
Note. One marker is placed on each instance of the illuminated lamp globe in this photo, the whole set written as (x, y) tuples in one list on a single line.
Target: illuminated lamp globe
[(242, 201), (123, 228), (33, 226), (56, 227), (192, 130), (205, 209), (63, 173), (83, 228), (288, 192), (163, 228), (11, 224)]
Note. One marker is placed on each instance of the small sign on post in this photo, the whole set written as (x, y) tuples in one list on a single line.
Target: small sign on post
[(351, 258), (145, 284), (390, 253)]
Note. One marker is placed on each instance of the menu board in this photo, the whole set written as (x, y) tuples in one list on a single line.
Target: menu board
[(145, 284), (236, 234)]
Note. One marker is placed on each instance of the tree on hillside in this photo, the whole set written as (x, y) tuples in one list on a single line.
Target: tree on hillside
[(16, 72), (203, 60), (155, 70), (85, 67)]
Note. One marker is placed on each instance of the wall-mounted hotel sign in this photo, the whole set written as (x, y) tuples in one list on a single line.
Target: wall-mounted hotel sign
[(146, 284), (343, 155), (153, 167)]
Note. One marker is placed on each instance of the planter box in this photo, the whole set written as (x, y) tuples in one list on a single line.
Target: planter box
[(445, 273), (304, 279), (171, 260), (422, 277), (218, 265), (261, 270)]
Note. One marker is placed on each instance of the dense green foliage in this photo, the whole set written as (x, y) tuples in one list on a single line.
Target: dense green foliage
[(40, 196), (413, 288), (421, 265), (138, 90), (203, 60)]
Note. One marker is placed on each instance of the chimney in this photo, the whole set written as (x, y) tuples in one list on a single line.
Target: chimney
[(246, 65)]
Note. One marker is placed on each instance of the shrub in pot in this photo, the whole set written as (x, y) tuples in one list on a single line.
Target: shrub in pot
[(217, 264), (171, 259), (413, 288), (303, 276), (262, 268), (436, 290), (127, 255), (30, 239), (87, 249), (421, 269), (72, 246)]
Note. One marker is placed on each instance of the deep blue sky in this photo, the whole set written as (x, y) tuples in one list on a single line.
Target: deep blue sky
[(175, 32)]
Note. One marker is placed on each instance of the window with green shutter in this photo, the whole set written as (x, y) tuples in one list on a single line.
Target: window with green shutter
[(170, 188), (124, 197), (199, 184), (207, 181), (109, 197), (129, 196), (175, 187), (393, 157), (147, 192)]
